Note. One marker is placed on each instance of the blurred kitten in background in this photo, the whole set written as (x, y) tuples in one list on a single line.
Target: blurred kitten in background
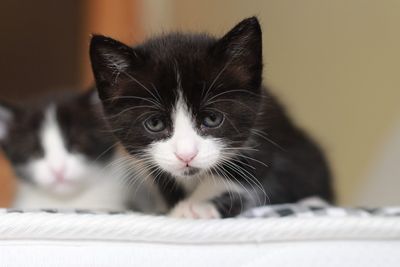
[(62, 153)]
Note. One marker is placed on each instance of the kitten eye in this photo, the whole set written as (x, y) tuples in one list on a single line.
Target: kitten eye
[(213, 119), (155, 124)]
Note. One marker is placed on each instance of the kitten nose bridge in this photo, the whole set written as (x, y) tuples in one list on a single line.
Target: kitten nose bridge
[(186, 150)]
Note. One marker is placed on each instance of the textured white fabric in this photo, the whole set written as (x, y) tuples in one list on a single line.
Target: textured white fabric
[(62, 239), (284, 254), (135, 227)]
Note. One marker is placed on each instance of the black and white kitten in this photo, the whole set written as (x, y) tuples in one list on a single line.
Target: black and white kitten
[(59, 148), (191, 109)]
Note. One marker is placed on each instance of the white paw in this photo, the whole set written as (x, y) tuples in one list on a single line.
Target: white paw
[(195, 210)]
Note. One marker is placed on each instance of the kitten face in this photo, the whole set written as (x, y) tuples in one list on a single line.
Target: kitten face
[(181, 103), (188, 151), (55, 145)]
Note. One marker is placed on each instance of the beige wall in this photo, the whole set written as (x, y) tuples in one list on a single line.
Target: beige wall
[(335, 64)]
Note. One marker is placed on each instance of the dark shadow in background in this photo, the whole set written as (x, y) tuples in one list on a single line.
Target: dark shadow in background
[(39, 47)]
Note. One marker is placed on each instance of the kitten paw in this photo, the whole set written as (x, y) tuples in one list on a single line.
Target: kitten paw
[(195, 210)]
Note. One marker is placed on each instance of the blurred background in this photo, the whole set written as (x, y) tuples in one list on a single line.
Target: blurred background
[(335, 65)]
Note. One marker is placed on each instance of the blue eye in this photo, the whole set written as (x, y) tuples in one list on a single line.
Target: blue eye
[(213, 119), (155, 124)]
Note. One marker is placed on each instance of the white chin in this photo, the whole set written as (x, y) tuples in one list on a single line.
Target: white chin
[(186, 173), (64, 189)]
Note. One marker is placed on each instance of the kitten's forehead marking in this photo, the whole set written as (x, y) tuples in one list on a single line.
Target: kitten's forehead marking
[(51, 139), (184, 137), (182, 119)]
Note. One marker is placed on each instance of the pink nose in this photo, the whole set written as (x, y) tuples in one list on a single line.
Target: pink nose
[(58, 173), (186, 157)]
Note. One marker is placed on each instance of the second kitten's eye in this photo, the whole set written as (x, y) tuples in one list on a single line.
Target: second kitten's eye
[(213, 119), (155, 124)]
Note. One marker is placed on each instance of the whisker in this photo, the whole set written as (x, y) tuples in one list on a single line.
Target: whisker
[(250, 180), (247, 157), (233, 91), (105, 151), (135, 97), (216, 79), (237, 181), (229, 189), (233, 101), (264, 136), (143, 86), (128, 109)]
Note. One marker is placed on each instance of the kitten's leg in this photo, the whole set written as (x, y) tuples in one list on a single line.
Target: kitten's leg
[(195, 210), (213, 198), (231, 204)]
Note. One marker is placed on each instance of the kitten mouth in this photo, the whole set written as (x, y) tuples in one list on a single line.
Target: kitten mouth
[(189, 171)]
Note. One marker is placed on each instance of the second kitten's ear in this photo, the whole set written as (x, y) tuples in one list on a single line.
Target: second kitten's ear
[(90, 96), (7, 115), (110, 60)]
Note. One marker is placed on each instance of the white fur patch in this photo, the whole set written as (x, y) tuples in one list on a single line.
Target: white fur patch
[(195, 210), (204, 153), (198, 205), (185, 143), (59, 171), (52, 141)]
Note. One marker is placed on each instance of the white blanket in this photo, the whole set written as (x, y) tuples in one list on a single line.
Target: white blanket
[(284, 235)]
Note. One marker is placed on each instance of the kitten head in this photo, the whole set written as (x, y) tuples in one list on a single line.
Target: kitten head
[(55, 145), (182, 103)]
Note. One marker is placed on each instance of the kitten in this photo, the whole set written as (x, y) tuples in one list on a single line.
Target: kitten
[(191, 109), (59, 149)]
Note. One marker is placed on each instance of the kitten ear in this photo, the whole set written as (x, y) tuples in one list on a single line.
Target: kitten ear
[(7, 114), (243, 40), (110, 59), (242, 46)]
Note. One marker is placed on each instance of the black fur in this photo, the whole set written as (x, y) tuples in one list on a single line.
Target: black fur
[(230, 204), (285, 161), (170, 189)]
